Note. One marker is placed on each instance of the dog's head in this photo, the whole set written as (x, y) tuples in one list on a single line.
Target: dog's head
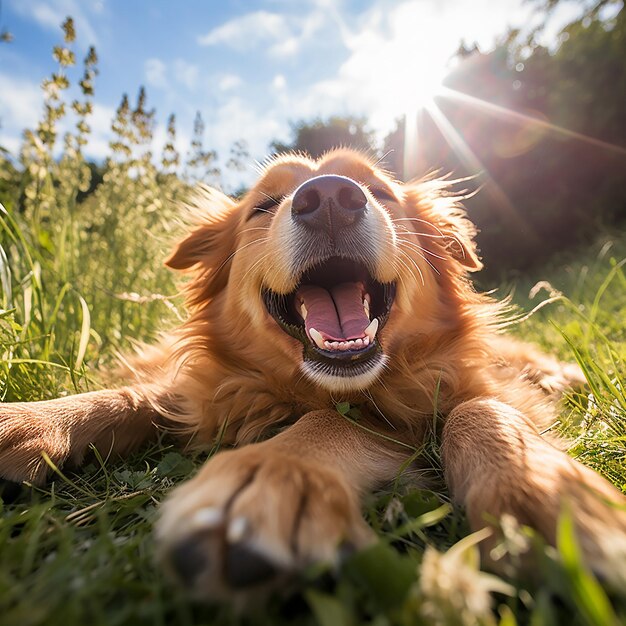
[(329, 262)]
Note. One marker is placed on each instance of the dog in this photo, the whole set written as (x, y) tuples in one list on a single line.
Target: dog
[(328, 282)]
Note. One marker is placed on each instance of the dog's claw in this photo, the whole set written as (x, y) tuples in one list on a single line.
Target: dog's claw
[(208, 517), (245, 567)]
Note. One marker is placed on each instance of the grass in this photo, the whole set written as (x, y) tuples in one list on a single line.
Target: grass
[(81, 550)]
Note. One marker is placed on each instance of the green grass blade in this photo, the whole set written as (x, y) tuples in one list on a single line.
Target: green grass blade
[(84, 333)]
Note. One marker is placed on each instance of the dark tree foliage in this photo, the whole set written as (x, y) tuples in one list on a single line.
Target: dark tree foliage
[(544, 188), (319, 136)]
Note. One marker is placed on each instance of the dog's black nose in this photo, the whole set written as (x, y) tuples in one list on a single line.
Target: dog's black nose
[(328, 203)]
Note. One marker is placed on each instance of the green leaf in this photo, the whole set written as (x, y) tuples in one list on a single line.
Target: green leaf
[(420, 501), (385, 574), (430, 518), (343, 407), (328, 611), (175, 465)]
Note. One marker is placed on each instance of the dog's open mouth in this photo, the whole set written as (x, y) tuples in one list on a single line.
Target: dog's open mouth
[(336, 311)]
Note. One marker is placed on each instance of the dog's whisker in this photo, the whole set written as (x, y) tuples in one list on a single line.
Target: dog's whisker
[(247, 245), (421, 248), (408, 247), (401, 277), (399, 274), (382, 158), (258, 262), (262, 210), (407, 256), (247, 230)]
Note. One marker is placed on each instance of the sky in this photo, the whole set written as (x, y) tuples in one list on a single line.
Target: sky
[(249, 66)]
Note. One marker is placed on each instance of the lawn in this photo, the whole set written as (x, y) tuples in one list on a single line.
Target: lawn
[(81, 550)]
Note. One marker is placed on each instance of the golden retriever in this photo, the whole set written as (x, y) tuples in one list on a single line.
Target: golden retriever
[(329, 282)]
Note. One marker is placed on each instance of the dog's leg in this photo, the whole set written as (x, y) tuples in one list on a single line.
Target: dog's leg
[(274, 507), (525, 360), (112, 420), (496, 462)]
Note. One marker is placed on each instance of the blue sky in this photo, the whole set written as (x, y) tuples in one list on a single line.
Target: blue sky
[(250, 66)]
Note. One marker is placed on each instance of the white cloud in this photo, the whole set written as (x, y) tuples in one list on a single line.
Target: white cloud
[(155, 73), (286, 47), (52, 13), (281, 36), (160, 74), (21, 104), (47, 16), (279, 82), (186, 73), (245, 32), (228, 82)]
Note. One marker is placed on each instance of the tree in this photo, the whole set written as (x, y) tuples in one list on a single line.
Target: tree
[(200, 163), (239, 156), (319, 136), (170, 158)]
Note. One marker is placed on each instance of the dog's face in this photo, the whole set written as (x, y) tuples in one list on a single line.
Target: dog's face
[(331, 262)]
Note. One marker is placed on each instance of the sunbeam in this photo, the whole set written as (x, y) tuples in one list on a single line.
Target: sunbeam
[(515, 116), (466, 156)]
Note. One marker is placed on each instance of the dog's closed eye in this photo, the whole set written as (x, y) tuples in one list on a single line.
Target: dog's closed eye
[(382, 194), (265, 206)]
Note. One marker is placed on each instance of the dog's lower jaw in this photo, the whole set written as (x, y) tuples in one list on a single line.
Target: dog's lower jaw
[(344, 384)]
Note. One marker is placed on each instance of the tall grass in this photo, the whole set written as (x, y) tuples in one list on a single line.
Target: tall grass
[(81, 277)]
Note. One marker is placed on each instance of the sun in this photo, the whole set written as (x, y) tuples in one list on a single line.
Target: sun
[(397, 65), (404, 80)]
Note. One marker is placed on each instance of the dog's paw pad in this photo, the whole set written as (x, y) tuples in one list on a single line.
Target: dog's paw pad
[(189, 560)]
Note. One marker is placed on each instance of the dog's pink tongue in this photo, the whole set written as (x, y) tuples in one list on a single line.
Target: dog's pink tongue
[(337, 314)]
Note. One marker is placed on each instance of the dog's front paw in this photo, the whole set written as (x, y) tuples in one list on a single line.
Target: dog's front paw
[(25, 434), (560, 486), (253, 517)]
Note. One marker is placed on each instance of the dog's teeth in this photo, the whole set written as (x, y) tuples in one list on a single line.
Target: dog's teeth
[(358, 343), (366, 306), (372, 329), (208, 517), (317, 338), (303, 311), (328, 344), (366, 341)]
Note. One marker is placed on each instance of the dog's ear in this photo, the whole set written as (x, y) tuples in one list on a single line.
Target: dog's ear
[(211, 242), (446, 221)]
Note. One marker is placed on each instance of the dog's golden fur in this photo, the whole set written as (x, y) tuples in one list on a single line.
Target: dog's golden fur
[(291, 496)]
